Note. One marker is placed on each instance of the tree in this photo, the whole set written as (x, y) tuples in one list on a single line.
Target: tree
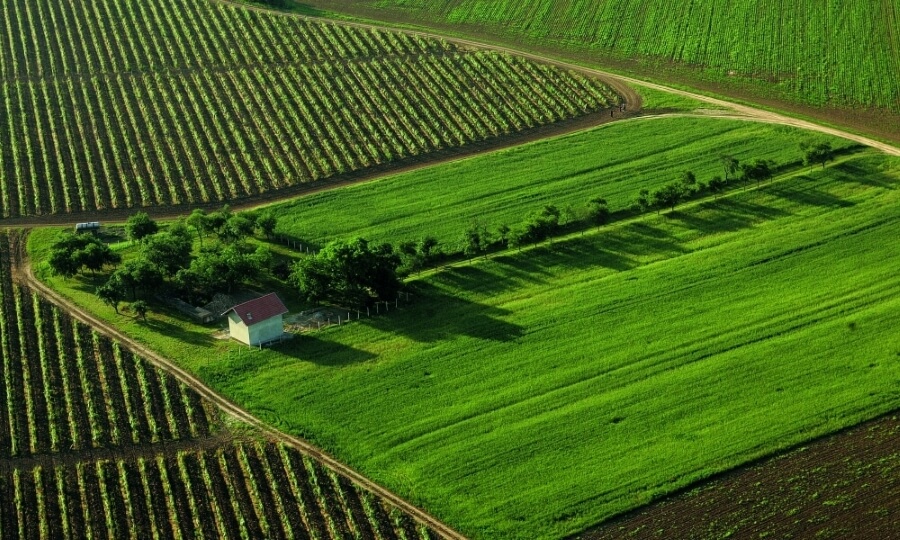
[(668, 196), (598, 211), (717, 185), (472, 241), (349, 272), (62, 263), (266, 223), (111, 293), (138, 274), (688, 182), (96, 255), (428, 249), (541, 225), (730, 164), (167, 252), (140, 226), (503, 234), (216, 220), (759, 170), (141, 308), (71, 252), (236, 228), (199, 222), (817, 153), (643, 201)]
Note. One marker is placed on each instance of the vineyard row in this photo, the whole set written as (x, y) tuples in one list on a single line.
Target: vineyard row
[(63, 387), (126, 134), (241, 490)]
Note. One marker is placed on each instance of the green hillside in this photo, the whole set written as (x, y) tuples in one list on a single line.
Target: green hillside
[(834, 53)]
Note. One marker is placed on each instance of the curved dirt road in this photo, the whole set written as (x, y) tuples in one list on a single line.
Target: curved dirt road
[(23, 272)]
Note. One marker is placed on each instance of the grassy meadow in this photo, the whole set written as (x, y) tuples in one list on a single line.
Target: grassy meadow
[(533, 395), (613, 161)]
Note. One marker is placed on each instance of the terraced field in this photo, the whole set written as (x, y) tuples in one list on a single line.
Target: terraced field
[(97, 443), (113, 103)]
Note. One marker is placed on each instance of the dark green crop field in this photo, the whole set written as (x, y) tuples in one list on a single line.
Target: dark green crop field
[(833, 53), (113, 104)]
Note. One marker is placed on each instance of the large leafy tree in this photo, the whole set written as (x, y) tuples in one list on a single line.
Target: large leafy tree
[(351, 272), (72, 252), (168, 252), (140, 226)]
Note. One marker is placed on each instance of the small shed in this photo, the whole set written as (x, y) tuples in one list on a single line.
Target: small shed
[(257, 321)]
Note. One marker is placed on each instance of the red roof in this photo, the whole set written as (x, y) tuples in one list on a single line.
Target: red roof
[(254, 311)]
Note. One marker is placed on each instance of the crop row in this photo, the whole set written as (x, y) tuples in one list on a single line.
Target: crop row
[(66, 388), (114, 104), (241, 490)]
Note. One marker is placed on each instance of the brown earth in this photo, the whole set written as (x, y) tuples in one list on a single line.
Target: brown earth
[(845, 486)]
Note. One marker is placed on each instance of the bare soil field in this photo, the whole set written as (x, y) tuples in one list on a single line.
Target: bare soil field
[(844, 486)]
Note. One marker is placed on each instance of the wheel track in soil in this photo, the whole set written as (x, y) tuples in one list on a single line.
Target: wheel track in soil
[(22, 272)]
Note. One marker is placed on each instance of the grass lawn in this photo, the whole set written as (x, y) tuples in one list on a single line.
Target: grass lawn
[(533, 395), (613, 161)]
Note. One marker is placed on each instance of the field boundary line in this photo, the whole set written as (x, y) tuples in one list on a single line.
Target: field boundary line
[(617, 82), (23, 271)]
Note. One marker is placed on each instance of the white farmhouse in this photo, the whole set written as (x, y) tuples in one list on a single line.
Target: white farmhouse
[(257, 321)]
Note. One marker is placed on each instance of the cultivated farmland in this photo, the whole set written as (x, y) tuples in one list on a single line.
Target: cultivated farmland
[(846, 486), (112, 104), (96, 442), (832, 53)]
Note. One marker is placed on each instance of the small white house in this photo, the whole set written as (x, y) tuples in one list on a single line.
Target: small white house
[(257, 321)]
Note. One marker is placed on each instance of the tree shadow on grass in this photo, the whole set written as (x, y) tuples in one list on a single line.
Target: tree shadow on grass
[(805, 192), (318, 349), (435, 316), (853, 171), (170, 330), (728, 215)]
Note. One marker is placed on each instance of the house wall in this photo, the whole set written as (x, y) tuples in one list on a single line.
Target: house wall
[(266, 330), (237, 329)]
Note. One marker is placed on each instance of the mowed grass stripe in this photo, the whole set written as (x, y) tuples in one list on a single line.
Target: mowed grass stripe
[(533, 395)]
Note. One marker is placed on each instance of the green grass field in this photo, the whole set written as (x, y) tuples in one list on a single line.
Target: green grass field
[(533, 395), (613, 161), (833, 53)]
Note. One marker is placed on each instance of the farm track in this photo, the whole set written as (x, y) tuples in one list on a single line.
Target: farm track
[(22, 272)]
